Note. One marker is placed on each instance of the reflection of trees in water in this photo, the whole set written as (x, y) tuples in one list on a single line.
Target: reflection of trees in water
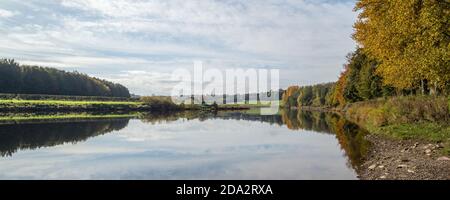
[(32, 136), (271, 119), (351, 139), (163, 117), (349, 135), (155, 118), (14, 137), (305, 120)]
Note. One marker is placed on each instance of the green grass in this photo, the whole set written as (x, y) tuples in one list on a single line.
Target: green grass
[(400, 110), (429, 131), (63, 102), (31, 117), (417, 117), (433, 132)]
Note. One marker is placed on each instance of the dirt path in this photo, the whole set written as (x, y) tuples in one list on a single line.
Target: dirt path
[(391, 159)]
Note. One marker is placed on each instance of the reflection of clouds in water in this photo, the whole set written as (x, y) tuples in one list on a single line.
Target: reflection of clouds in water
[(167, 165), (140, 132), (211, 149), (230, 130), (85, 149)]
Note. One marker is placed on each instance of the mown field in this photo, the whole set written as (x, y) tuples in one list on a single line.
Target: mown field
[(16, 105), (16, 102), (25, 117)]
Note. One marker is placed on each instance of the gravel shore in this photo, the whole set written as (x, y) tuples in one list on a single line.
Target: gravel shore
[(391, 159)]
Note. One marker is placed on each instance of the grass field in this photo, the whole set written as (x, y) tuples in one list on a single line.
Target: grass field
[(33, 117), (26, 106), (63, 102)]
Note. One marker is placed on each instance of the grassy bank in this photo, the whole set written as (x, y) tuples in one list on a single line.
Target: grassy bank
[(63, 97), (25, 117), (18, 105), (19, 102), (154, 103), (416, 117)]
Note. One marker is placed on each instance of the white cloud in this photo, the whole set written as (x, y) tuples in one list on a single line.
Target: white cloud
[(144, 81), (6, 13), (106, 37)]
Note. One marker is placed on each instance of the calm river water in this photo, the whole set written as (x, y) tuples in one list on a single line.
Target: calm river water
[(228, 145)]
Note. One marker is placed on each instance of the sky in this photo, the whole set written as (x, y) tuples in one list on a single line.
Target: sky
[(139, 43)]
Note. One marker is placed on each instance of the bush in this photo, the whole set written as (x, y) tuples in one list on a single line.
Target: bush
[(412, 117), (411, 109), (160, 103)]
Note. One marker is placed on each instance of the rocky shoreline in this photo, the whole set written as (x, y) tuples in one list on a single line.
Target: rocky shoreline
[(391, 159)]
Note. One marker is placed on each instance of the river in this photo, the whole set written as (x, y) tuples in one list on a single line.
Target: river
[(226, 145)]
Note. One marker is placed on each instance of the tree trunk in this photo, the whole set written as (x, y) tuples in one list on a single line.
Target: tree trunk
[(424, 86)]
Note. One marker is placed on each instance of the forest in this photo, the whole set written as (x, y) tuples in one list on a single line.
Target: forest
[(403, 50), (23, 79)]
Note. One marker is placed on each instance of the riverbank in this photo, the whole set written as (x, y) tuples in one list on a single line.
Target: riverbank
[(405, 118), (36, 106), (70, 106), (410, 136), (393, 159), (19, 118)]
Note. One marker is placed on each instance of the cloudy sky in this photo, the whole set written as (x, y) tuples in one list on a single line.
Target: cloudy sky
[(140, 42)]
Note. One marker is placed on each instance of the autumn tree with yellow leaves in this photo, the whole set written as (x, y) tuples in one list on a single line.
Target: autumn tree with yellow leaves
[(410, 38), (404, 48)]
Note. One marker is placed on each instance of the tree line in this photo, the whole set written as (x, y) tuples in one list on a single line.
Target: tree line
[(23, 79), (17, 137), (403, 49)]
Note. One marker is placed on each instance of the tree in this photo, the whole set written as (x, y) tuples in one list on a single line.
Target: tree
[(21, 79), (288, 96), (362, 83), (410, 38), (338, 94), (305, 96)]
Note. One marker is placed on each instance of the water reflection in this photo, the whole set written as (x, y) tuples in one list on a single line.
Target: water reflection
[(14, 137), (349, 135), (31, 136)]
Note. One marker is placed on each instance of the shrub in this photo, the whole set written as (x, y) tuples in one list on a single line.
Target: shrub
[(411, 109), (160, 103)]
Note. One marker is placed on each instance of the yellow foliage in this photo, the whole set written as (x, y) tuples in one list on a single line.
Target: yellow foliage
[(289, 92), (409, 37)]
